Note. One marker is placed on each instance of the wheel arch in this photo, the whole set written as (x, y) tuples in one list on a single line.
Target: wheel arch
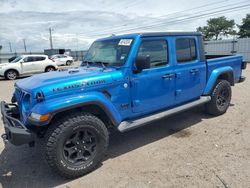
[(49, 66), (11, 69), (93, 107), (224, 73), (95, 103), (228, 76)]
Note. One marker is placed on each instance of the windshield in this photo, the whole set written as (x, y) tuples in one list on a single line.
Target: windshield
[(113, 52), (16, 60)]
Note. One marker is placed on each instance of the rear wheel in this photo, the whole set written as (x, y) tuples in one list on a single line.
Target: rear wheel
[(220, 98), (50, 69), (68, 63), (11, 75), (76, 145)]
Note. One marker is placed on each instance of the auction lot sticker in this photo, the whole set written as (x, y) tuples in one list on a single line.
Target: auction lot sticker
[(125, 42)]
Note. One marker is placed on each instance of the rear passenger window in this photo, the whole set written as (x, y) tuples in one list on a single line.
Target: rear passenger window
[(157, 51), (185, 50), (29, 59), (40, 58)]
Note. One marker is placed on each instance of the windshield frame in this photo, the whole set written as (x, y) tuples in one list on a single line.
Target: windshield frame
[(115, 64)]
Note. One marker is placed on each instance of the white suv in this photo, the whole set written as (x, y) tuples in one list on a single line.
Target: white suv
[(27, 65), (62, 59)]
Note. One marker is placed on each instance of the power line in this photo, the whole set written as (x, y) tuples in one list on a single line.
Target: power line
[(159, 18), (175, 20)]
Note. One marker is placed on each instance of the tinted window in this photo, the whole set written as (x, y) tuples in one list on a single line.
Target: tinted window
[(16, 60), (40, 58), (29, 59), (156, 50), (185, 50)]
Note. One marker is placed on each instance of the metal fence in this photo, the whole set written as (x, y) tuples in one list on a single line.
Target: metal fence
[(77, 55), (229, 47), (4, 57), (220, 47)]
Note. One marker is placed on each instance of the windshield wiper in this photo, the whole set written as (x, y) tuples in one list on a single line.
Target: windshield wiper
[(102, 63), (87, 63)]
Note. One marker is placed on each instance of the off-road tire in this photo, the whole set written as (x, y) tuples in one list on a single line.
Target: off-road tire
[(57, 136), (11, 74), (219, 104)]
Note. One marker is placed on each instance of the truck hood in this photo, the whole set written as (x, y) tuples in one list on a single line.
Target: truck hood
[(67, 80)]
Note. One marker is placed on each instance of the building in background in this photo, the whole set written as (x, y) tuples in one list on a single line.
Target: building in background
[(77, 55), (229, 47)]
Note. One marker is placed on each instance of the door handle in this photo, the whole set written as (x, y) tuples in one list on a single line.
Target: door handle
[(168, 76), (194, 71)]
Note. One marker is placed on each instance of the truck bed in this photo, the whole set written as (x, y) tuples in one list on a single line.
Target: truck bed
[(216, 56), (221, 61)]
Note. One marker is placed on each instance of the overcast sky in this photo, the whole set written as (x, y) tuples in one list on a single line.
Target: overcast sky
[(76, 23)]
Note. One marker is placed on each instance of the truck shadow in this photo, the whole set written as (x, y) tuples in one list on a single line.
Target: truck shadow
[(25, 167)]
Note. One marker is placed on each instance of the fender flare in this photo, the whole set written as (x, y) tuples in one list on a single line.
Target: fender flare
[(215, 75), (57, 105)]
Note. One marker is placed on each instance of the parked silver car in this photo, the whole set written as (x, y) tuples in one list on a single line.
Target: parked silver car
[(62, 59)]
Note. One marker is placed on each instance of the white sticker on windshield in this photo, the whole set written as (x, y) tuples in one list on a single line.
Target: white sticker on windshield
[(125, 42)]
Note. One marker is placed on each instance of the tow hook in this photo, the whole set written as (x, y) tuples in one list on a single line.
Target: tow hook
[(5, 137)]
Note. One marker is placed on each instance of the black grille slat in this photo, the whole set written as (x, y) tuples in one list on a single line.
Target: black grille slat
[(19, 98)]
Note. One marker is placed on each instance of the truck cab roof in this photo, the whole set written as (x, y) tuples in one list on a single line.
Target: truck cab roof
[(152, 34)]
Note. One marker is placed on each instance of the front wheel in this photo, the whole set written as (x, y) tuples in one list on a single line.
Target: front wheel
[(220, 98), (76, 144), (11, 75)]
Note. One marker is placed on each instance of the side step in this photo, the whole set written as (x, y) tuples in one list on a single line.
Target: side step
[(132, 124)]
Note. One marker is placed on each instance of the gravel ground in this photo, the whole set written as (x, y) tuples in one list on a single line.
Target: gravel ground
[(190, 149)]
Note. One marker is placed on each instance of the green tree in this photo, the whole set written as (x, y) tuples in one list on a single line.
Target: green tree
[(245, 27), (217, 27)]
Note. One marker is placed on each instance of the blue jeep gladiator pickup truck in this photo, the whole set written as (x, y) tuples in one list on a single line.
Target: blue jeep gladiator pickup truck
[(124, 82)]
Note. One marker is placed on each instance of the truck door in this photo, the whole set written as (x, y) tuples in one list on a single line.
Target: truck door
[(153, 89), (190, 71)]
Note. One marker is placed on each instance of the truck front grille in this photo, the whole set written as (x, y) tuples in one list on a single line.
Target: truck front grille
[(20, 95)]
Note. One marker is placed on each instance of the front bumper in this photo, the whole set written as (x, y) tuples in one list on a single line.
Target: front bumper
[(15, 132)]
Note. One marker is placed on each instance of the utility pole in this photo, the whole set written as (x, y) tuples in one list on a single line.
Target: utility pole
[(0, 52), (10, 46), (50, 38), (24, 45), (76, 41)]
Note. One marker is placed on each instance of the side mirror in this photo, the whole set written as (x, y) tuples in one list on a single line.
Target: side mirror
[(142, 62), (21, 61)]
